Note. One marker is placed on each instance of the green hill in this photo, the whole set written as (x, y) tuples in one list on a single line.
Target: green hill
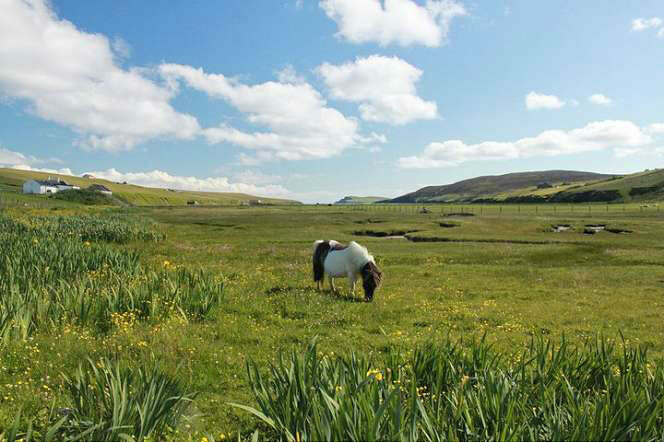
[(361, 199), (499, 186), (547, 186), (11, 180)]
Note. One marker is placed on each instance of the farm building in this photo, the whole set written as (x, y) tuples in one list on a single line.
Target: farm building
[(255, 202), (42, 187), (101, 189)]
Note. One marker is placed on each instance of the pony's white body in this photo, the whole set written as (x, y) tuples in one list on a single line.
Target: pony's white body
[(345, 262)]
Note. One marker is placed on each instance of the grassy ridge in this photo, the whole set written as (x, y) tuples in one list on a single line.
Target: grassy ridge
[(13, 179)]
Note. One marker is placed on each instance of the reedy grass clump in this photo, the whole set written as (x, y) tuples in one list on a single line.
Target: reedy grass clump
[(112, 402), (465, 390), (110, 228), (109, 401), (48, 279)]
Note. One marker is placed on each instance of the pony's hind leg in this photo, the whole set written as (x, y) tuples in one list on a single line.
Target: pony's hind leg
[(334, 289)]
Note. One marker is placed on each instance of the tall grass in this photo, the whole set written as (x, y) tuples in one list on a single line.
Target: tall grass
[(52, 274), (110, 228), (110, 402), (465, 391)]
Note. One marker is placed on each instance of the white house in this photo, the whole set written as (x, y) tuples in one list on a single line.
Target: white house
[(42, 187)]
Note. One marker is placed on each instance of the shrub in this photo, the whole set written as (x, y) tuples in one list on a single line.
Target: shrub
[(84, 196)]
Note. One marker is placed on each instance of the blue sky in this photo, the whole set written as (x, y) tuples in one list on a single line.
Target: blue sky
[(315, 100)]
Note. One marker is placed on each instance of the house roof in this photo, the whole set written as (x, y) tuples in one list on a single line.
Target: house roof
[(52, 183)]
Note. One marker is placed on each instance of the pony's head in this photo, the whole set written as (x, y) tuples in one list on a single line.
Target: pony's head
[(371, 278)]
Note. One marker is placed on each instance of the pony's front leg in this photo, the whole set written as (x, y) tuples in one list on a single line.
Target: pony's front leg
[(351, 283), (334, 289)]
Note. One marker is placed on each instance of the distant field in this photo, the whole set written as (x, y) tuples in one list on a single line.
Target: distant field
[(502, 272), (11, 180)]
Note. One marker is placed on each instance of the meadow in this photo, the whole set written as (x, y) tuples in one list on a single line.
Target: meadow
[(192, 323)]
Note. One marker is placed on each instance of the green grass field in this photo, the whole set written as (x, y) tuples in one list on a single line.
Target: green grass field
[(501, 273)]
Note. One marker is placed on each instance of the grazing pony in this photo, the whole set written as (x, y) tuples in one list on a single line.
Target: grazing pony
[(337, 260)]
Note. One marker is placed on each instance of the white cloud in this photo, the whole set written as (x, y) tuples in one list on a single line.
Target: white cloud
[(641, 24), (71, 77), (10, 158), (657, 128), (300, 123), (121, 47), (384, 87), (159, 178), (660, 33), (535, 101), (289, 75), (595, 136), (403, 22), (62, 171), (600, 99), (254, 177), (623, 152)]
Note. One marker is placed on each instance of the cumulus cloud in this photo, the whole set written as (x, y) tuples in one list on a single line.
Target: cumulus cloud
[(255, 177), (641, 24), (300, 123), (10, 158), (159, 178), (72, 78), (403, 22), (384, 87), (61, 171), (600, 99), (657, 128), (623, 152), (595, 136), (289, 75), (536, 101)]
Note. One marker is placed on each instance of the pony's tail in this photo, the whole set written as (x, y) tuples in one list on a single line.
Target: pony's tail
[(321, 248)]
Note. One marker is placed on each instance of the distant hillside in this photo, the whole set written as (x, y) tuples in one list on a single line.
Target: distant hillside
[(12, 180), (360, 199), (641, 186), (498, 187)]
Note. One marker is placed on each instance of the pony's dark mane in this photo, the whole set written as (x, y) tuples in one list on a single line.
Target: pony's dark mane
[(371, 279)]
